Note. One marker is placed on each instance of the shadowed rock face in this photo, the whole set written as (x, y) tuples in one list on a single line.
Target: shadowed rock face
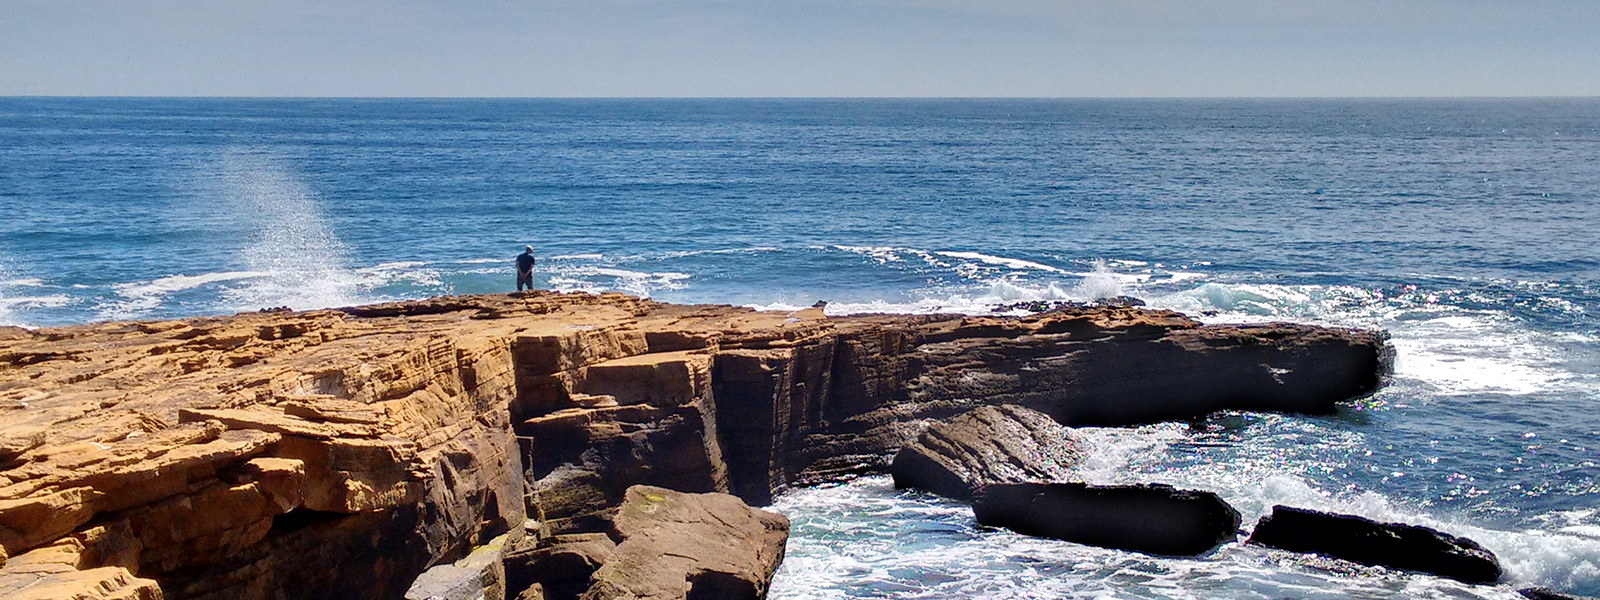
[(1154, 519), (1369, 542), (342, 453), (989, 444)]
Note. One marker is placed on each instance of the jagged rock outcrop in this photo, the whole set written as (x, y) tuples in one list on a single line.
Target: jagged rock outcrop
[(676, 545), (1365, 541), (1150, 518), (341, 453), (989, 444)]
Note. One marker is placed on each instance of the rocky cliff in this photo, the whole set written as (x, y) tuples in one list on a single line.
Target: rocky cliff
[(340, 453)]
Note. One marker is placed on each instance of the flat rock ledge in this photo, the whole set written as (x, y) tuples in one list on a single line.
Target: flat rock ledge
[(343, 453), (1369, 542), (1149, 518), (989, 444)]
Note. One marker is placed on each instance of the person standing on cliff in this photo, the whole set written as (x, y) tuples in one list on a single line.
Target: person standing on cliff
[(525, 268)]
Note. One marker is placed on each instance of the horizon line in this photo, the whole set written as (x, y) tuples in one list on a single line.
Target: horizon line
[(359, 97)]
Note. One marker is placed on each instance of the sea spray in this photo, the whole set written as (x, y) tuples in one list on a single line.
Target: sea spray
[(1101, 283), (305, 264)]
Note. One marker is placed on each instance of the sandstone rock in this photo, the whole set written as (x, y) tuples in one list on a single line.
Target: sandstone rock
[(106, 583), (1155, 519), (1369, 542), (990, 444), (677, 545), (266, 455)]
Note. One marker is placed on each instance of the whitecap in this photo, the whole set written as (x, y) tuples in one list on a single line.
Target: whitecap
[(1014, 263), (140, 297)]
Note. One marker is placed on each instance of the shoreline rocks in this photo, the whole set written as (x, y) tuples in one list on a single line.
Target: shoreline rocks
[(676, 545), (265, 454), (1362, 540), (1149, 518), (989, 444)]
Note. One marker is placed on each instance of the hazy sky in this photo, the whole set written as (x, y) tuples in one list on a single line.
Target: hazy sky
[(800, 47)]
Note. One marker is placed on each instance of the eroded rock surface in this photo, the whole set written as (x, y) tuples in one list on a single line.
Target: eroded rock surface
[(989, 444), (1150, 518), (1362, 540), (676, 545), (341, 453)]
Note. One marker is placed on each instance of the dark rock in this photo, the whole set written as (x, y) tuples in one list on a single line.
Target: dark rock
[(1369, 542), (677, 545), (1119, 302), (990, 444), (1154, 519), (1539, 593), (560, 566)]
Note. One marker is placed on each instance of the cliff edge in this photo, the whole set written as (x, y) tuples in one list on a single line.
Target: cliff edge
[(340, 453)]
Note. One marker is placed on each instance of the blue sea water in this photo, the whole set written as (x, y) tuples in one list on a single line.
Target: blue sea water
[(1466, 228)]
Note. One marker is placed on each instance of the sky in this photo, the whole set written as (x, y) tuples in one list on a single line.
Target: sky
[(800, 48)]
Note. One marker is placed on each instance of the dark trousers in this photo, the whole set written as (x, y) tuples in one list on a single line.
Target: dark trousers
[(524, 279)]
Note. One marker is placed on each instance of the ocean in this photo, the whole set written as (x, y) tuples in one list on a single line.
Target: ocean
[(1465, 228)]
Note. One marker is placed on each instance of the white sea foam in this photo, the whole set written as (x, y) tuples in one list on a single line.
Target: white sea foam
[(584, 256), (1454, 350), (140, 297), (14, 301), (1014, 263), (599, 279), (864, 539), (1101, 283), (1260, 475)]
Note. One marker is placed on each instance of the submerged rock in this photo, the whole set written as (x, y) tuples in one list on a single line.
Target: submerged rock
[(676, 545), (1369, 542), (989, 444), (1151, 518)]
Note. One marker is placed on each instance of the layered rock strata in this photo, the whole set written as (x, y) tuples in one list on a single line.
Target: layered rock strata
[(989, 444), (340, 453)]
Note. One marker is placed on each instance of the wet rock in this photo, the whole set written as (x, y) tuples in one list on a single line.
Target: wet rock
[(1362, 540), (1118, 302), (1539, 593), (676, 546), (990, 444), (1154, 519)]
